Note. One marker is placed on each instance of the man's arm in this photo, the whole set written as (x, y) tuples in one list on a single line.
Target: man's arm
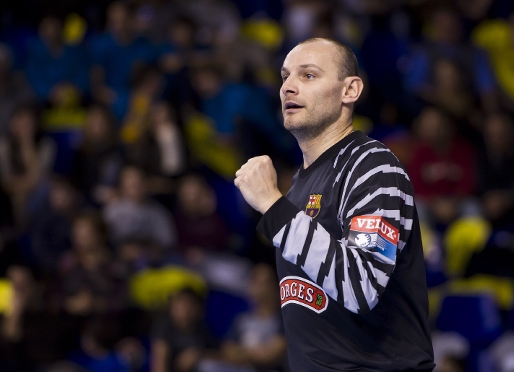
[(375, 214)]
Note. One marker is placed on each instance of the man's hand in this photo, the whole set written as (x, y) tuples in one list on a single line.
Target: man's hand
[(257, 180)]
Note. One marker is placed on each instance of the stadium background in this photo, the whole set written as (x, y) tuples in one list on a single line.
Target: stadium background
[(122, 124)]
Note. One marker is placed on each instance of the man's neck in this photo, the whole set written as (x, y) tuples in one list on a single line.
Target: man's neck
[(313, 148)]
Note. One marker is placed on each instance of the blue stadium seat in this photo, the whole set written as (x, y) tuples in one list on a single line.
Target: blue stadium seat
[(220, 310), (476, 317)]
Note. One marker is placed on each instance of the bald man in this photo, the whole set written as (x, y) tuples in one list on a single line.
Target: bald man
[(349, 254)]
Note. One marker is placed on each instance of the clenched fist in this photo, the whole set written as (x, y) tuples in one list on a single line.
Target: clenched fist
[(257, 180)]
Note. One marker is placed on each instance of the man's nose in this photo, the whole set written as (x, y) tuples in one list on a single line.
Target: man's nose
[(289, 87)]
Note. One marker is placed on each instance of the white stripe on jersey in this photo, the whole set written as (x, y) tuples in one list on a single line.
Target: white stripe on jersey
[(394, 213), (344, 195), (298, 230), (349, 158), (392, 191), (317, 252), (342, 152), (386, 168), (329, 282), (277, 239), (350, 301), (382, 277), (370, 293)]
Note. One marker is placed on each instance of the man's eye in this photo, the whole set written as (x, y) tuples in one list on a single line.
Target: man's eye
[(309, 76), (284, 77)]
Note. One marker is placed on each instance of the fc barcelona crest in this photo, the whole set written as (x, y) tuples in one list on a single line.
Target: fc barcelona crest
[(314, 205)]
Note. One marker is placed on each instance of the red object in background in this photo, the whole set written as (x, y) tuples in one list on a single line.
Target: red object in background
[(449, 173)]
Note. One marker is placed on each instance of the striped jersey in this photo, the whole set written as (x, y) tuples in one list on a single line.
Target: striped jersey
[(350, 263)]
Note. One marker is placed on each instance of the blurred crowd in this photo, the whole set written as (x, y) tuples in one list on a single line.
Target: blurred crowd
[(124, 245)]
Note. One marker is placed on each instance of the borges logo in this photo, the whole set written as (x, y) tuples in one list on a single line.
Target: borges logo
[(300, 291)]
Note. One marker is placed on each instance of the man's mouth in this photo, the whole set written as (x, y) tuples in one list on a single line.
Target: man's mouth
[(292, 107)]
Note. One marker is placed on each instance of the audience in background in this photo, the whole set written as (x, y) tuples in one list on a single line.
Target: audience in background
[(442, 169), (90, 281), (114, 57), (446, 40), (180, 339), (99, 350), (256, 341), (14, 89), (132, 215), (160, 148), (34, 336), (200, 228), (52, 65), (496, 162), (119, 143), (50, 229), (27, 157), (98, 159)]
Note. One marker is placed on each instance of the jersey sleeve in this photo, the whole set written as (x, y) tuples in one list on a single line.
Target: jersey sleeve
[(375, 215)]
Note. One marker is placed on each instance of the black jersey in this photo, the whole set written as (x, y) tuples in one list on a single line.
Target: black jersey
[(350, 263)]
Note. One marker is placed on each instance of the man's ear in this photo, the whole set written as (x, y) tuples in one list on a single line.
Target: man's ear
[(352, 89)]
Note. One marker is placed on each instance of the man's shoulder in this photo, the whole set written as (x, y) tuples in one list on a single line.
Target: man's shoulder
[(364, 150)]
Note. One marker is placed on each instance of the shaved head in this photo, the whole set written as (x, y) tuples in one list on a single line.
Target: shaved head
[(347, 62)]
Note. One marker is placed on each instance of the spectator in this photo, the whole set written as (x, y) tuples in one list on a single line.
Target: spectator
[(134, 216), (451, 95), (50, 230), (152, 18), (442, 169), (393, 133), (26, 158), (63, 120), (256, 341), (496, 36), (447, 43), (97, 161), (115, 56), (300, 19), (97, 347), (215, 18), (496, 161), (89, 278), (9, 250), (179, 48), (146, 90), (383, 75), (200, 228), (14, 90), (135, 255), (160, 150), (235, 115), (180, 339), (33, 337), (52, 65), (176, 54)]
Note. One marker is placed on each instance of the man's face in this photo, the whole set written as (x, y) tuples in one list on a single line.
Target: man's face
[(311, 89)]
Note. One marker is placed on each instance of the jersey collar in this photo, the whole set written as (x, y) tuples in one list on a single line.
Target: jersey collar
[(328, 154)]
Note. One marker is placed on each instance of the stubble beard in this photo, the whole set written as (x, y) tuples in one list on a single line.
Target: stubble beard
[(310, 127)]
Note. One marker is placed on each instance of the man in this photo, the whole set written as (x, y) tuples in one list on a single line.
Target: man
[(349, 252)]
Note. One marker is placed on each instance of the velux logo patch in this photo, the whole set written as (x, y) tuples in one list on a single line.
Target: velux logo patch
[(375, 234), (297, 290)]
